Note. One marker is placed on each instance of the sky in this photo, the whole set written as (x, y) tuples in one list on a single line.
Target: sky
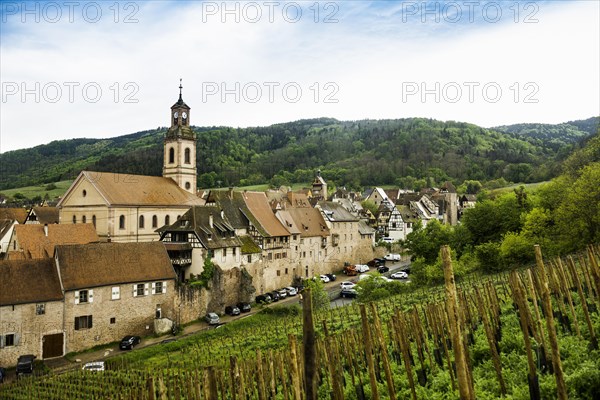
[(72, 69)]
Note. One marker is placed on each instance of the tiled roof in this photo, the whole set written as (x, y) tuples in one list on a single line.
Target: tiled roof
[(139, 190), (19, 214), (196, 220), (261, 215), (103, 264), (364, 228), (29, 281), (46, 215), (335, 212), (288, 221), (5, 225), (309, 221), (232, 204), (35, 244)]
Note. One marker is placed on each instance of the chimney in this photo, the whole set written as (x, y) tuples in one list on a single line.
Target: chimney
[(210, 220), (46, 230)]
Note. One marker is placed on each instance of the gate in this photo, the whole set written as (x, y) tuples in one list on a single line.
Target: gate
[(53, 345)]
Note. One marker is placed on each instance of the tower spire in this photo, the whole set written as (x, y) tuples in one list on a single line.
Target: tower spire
[(180, 87)]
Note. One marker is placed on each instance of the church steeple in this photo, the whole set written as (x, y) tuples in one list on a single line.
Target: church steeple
[(180, 147)]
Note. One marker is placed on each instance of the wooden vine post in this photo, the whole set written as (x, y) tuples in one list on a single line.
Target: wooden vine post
[(366, 330), (547, 304), (308, 340), (464, 383)]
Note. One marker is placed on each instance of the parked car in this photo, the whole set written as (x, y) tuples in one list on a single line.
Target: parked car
[(376, 262), (392, 257), (399, 275), (349, 293), (128, 342), (291, 291), (387, 240), (25, 365), (2, 374), (244, 307), (274, 295), (324, 278), (347, 285), (212, 318), (94, 366), (282, 293), (382, 269), (232, 310), (263, 299), (361, 268), (350, 270), (331, 277)]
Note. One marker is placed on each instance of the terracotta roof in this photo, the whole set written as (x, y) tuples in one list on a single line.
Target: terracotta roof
[(288, 221), (46, 215), (102, 264), (139, 190), (297, 199), (19, 214), (335, 212), (34, 243), (196, 221), (262, 216), (29, 281), (309, 221)]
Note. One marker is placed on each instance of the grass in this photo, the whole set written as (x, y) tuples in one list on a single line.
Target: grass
[(528, 186), (40, 190)]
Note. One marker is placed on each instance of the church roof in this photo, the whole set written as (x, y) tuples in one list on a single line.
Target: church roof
[(136, 190)]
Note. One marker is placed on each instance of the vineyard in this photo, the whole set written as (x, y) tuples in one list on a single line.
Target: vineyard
[(526, 334)]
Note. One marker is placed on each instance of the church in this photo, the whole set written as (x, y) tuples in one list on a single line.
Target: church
[(130, 208)]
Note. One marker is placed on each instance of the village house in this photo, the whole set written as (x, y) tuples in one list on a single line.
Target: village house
[(31, 310), (6, 230), (203, 231), (376, 196), (38, 241), (18, 214), (113, 289), (43, 216)]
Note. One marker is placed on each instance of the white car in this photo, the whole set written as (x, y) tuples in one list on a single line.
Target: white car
[(387, 240), (324, 279), (94, 366), (291, 291), (347, 285), (392, 257), (399, 275), (360, 268)]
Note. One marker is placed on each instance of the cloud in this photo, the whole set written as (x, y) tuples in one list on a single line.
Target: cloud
[(348, 60)]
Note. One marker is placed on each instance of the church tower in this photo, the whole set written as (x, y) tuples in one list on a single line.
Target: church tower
[(180, 147)]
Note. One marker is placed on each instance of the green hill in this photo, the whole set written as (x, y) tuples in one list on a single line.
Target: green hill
[(351, 153)]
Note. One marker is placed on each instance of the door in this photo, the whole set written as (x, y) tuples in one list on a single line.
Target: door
[(53, 345)]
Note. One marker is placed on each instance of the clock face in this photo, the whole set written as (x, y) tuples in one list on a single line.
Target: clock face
[(176, 114), (184, 115)]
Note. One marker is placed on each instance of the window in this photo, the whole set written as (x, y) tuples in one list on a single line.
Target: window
[(122, 222), (270, 256), (84, 193), (116, 293), (83, 219), (141, 223), (83, 296), (210, 253), (284, 254), (154, 221), (187, 156), (139, 289), (9, 340), (249, 258), (167, 220), (159, 287), (113, 320), (171, 155), (286, 271), (233, 252), (225, 252), (74, 219), (83, 322), (40, 309), (278, 273), (187, 186), (94, 220)]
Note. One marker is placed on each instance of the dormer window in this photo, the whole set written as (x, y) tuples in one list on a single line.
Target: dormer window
[(209, 236)]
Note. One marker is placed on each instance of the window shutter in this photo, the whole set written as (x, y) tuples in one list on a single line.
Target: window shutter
[(153, 288), (1, 341), (165, 287), (146, 289), (76, 323), (90, 296), (17, 339), (77, 297), (134, 290), (89, 322)]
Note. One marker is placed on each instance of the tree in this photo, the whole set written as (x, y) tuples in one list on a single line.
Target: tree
[(369, 205), (320, 298)]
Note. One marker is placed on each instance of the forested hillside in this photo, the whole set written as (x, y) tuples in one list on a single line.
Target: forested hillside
[(352, 153)]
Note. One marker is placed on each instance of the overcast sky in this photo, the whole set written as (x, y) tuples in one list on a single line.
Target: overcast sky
[(103, 69)]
